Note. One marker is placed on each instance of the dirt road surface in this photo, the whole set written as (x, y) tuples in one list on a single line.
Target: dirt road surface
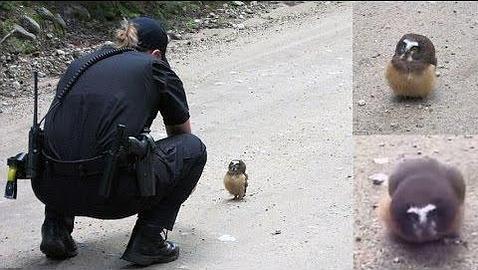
[(279, 98), (453, 28), (374, 248)]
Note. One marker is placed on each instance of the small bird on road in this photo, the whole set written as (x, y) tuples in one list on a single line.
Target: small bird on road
[(235, 180), (425, 201), (411, 72)]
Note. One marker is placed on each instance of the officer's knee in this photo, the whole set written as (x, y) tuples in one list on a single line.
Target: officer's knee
[(195, 147)]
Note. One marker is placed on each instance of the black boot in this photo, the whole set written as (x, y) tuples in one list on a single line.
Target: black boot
[(147, 246), (57, 242)]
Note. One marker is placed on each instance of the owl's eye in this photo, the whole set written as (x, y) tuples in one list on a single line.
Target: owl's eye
[(433, 213), (412, 217), (414, 49), (402, 48)]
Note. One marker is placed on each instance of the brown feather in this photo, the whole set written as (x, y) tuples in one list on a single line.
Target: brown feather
[(236, 184), (410, 84)]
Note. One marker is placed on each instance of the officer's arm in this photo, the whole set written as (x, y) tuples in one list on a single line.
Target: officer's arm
[(172, 130), (173, 104)]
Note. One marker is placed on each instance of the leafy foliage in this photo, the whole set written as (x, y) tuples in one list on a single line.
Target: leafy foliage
[(101, 16)]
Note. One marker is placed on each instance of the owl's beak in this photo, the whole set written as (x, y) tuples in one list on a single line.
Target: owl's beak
[(407, 54), (406, 51), (427, 230)]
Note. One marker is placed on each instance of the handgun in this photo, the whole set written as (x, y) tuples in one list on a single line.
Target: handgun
[(112, 161)]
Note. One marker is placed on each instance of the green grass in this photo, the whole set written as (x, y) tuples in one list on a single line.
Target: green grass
[(7, 5), (21, 46), (6, 26), (14, 44), (190, 24), (173, 14)]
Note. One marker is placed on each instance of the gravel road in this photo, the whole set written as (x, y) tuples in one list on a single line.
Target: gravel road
[(453, 28), (374, 248), (279, 97)]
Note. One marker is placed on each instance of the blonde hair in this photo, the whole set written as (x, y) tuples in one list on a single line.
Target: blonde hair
[(126, 35)]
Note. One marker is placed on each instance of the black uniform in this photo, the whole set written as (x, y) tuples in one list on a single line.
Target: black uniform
[(128, 88)]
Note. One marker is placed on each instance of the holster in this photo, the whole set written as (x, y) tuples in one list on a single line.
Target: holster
[(143, 150)]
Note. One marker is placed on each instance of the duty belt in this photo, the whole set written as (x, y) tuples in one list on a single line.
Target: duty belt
[(85, 167), (139, 151)]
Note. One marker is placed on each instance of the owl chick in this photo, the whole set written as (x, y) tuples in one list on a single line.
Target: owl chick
[(411, 73), (236, 178), (425, 201)]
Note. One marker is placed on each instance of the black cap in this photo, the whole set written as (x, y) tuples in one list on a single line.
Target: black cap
[(151, 34)]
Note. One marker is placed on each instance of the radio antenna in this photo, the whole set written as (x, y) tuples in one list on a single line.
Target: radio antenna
[(35, 98)]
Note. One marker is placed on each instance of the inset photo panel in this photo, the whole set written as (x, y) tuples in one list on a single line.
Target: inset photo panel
[(415, 67), (415, 202)]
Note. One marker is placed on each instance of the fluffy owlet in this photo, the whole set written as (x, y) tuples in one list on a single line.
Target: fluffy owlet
[(411, 73), (425, 201), (235, 180)]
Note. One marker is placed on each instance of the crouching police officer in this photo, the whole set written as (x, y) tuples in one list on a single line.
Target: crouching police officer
[(99, 121)]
